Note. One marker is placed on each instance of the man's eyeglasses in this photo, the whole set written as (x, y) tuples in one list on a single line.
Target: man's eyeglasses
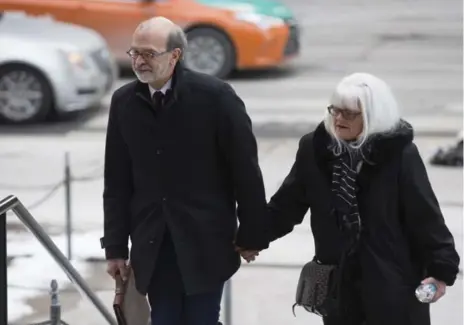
[(146, 55), (346, 113)]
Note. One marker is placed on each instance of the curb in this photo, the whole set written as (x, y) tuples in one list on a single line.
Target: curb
[(297, 130), (282, 266), (285, 266), (285, 124), (280, 130), (99, 259), (288, 266)]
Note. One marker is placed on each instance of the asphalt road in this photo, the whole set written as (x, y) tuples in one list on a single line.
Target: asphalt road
[(415, 45)]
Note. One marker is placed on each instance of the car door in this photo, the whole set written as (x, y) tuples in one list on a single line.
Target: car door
[(63, 10), (116, 21)]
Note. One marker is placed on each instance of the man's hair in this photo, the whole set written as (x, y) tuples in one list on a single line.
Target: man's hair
[(371, 95), (177, 40)]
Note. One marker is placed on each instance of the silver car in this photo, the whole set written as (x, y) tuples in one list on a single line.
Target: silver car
[(48, 66)]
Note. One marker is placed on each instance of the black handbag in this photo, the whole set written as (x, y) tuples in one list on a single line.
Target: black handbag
[(316, 288)]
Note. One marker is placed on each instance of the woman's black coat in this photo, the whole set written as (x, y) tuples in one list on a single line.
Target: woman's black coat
[(405, 238)]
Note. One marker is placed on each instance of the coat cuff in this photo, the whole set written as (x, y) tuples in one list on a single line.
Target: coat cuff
[(256, 240), (117, 252), (443, 272)]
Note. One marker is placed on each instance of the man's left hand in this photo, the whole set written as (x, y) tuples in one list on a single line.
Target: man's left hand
[(248, 255), (441, 287)]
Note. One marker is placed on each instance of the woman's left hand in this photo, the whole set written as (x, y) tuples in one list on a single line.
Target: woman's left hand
[(441, 287)]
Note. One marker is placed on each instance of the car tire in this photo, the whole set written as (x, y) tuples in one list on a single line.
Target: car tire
[(211, 39), (43, 106)]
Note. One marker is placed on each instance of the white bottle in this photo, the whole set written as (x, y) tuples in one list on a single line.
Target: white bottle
[(426, 292)]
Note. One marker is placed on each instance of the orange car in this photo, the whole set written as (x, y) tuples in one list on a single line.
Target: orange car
[(223, 34)]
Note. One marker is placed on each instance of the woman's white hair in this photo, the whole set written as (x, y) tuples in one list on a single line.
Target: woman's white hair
[(371, 95)]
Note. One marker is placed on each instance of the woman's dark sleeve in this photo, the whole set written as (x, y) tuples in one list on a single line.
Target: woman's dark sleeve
[(424, 219), (289, 204)]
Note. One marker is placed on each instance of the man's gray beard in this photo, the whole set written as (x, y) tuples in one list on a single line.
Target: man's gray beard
[(145, 77)]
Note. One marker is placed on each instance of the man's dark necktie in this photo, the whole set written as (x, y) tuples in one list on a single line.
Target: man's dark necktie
[(158, 99)]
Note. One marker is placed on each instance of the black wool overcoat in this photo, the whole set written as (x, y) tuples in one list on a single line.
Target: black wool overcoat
[(405, 238), (190, 166)]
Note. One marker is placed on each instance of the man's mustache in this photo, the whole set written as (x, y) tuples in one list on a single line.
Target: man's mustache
[(143, 67)]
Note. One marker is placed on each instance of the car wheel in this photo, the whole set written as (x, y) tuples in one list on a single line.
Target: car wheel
[(25, 94), (209, 51)]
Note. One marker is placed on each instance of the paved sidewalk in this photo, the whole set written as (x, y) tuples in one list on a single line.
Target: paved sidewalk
[(264, 295)]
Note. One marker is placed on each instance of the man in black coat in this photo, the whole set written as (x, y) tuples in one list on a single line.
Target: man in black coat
[(180, 156)]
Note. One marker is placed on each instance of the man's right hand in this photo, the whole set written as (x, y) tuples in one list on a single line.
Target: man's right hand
[(117, 266)]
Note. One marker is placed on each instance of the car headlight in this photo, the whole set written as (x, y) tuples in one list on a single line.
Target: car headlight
[(262, 21), (78, 60)]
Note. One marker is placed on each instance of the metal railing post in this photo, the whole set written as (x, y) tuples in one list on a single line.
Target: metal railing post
[(67, 186), (73, 275), (55, 306), (3, 271), (12, 203)]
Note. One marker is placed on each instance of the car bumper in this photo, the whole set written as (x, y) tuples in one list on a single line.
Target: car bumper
[(87, 92), (293, 44), (81, 99), (270, 48)]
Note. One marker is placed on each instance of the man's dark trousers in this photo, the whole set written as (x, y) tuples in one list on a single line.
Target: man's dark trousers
[(169, 303)]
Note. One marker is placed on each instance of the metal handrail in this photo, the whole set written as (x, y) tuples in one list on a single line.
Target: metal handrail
[(13, 203)]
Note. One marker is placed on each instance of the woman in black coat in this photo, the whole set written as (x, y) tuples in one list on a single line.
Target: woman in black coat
[(372, 206)]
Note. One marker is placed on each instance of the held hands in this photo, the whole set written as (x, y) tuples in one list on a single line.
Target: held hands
[(248, 255), (441, 288)]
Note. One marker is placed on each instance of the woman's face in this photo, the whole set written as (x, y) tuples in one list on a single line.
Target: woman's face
[(348, 124)]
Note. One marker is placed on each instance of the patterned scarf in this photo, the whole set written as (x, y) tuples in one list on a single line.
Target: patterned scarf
[(344, 190), (345, 206)]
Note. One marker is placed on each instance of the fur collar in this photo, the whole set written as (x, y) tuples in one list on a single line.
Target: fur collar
[(380, 147)]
